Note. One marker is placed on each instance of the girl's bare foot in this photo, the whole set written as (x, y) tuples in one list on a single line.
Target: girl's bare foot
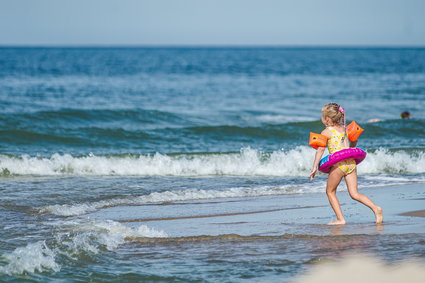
[(337, 222), (378, 215)]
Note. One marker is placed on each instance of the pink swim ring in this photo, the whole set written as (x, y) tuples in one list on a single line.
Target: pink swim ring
[(327, 162)]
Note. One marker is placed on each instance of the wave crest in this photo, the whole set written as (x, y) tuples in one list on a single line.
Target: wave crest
[(77, 238), (35, 257), (248, 162)]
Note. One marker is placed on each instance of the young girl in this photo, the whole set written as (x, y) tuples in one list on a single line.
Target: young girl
[(333, 117)]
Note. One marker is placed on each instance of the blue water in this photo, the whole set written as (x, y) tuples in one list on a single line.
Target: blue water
[(182, 100), (88, 129)]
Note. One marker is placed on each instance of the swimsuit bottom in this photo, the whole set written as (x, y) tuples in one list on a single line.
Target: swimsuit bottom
[(347, 166)]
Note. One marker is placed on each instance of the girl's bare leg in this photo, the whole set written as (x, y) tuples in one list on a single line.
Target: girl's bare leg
[(351, 181), (334, 178)]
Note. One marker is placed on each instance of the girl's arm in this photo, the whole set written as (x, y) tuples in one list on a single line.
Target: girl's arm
[(319, 154), (317, 157)]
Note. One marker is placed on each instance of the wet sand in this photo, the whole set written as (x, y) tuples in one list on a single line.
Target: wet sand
[(300, 214), (417, 213)]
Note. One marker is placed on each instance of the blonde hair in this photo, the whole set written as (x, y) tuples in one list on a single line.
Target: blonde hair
[(335, 113)]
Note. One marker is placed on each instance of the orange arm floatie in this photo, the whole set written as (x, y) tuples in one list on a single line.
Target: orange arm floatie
[(317, 140), (354, 131)]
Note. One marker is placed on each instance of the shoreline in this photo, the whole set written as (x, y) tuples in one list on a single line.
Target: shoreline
[(279, 214)]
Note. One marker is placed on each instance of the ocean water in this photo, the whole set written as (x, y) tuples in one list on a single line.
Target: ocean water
[(93, 139)]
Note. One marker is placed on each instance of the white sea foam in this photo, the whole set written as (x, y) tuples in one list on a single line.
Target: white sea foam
[(35, 257), (400, 162), (249, 162), (111, 233), (179, 195), (89, 235), (76, 237)]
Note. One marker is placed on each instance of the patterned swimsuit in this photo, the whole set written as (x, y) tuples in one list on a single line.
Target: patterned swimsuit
[(336, 143)]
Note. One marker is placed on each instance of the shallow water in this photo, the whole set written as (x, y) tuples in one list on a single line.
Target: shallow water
[(115, 228)]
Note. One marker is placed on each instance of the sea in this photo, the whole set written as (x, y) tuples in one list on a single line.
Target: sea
[(137, 164)]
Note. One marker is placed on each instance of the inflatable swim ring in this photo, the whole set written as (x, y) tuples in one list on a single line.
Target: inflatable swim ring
[(327, 162)]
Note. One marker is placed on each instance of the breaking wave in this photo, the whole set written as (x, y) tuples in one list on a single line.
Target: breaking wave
[(248, 162), (35, 257), (80, 237)]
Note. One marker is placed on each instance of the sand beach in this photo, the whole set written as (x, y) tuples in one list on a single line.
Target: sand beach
[(276, 215)]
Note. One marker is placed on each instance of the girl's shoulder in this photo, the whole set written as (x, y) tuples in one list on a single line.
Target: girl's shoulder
[(338, 129), (327, 132)]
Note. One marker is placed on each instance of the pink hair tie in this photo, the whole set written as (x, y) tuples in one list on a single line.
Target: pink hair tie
[(341, 109)]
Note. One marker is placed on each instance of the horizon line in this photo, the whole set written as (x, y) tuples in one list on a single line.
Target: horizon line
[(209, 46)]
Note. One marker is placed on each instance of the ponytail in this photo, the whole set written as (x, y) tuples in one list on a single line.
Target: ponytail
[(343, 120)]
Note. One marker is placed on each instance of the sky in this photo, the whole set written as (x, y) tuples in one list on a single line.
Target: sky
[(213, 22)]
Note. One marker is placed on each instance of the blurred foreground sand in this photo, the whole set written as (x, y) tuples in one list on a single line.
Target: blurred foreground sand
[(361, 268)]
